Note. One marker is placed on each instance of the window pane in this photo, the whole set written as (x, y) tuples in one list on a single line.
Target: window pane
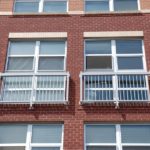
[(100, 134), (137, 148), (98, 47), (130, 63), (96, 6), (135, 134), (16, 95), (100, 148), (20, 63), (51, 63), (47, 133), (55, 6), (45, 148), (32, 6), (18, 134), (52, 48), (99, 62), (128, 46), (123, 5), (22, 48), (12, 148)]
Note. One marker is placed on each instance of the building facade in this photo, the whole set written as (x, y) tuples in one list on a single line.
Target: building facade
[(74, 74)]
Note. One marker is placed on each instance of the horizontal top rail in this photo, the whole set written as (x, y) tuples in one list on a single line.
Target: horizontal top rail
[(35, 74), (114, 73)]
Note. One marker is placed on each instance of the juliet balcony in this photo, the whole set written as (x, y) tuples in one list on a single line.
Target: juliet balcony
[(101, 87), (29, 88)]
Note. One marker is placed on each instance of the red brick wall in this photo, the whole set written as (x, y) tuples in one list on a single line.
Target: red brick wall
[(74, 5), (73, 115)]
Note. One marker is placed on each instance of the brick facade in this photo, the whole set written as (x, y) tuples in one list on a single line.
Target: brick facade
[(74, 115), (74, 5)]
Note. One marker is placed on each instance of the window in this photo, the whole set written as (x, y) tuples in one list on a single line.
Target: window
[(96, 5), (34, 137), (58, 6), (114, 65), (43, 77), (120, 137), (117, 55), (34, 6), (27, 55), (125, 5), (111, 5)]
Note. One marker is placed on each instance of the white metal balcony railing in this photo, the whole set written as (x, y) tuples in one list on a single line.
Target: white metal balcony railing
[(114, 87), (34, 88)]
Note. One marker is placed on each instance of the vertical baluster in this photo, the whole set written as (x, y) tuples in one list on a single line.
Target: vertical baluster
[(88, 87)]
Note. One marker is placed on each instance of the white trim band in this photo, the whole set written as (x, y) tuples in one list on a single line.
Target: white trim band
[(38, 35), (113, 34)]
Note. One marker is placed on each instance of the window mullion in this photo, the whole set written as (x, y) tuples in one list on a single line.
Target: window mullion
[(41, 5), (111, 5), (28, 138), (139, 5), (118, 137), (37, 49)]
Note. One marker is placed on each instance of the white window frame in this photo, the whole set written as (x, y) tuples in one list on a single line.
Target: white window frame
[(119, 145), (115, 55), (28, 144), (41, 5), (111, 6), (36, 57)]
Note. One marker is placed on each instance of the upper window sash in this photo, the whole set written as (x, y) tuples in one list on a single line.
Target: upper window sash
[(32, 56), (38, 6), (122, 51), (97, 6)]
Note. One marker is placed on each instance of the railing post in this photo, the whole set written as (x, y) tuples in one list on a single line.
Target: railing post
[(81, 88), (115, 86), (67, 92), (32, 99)]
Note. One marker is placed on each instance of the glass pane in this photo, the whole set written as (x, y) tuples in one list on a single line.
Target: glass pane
[(99, 62), (133, 94), (22, 48), (18, 134), (98, 81), (137, 148), (12, 148), (135, 133), (96, 6), (100, 148), (130, 63), (55, 6), (45, 148), (17, 82), (98, 47), (52, 48), (50, 82), (16, 95), (15, 63), (128, 46), (47, 133), (132, 81), (123, 5), (100, 134), (51, 63), (32, 6), (50, 95), (99, 95)]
